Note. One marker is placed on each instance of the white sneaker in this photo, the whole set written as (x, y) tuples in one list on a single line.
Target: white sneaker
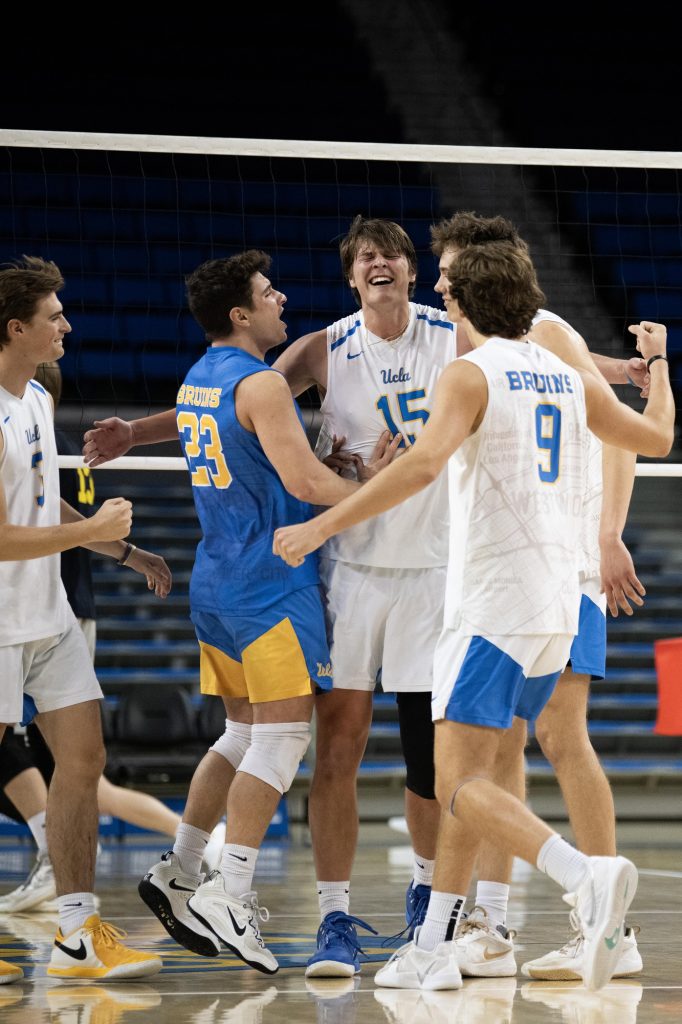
[(483, 951), (166, 889), (214, 849), (39, 886), (234, 921), (602, 902), (565, 964), (431, 970)]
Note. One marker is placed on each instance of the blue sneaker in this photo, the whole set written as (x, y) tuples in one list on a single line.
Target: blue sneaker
[(338, 949), (416, 905)]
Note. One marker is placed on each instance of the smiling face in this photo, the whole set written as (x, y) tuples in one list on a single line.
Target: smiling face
[(380, 278), (442, 285), (40, 339)]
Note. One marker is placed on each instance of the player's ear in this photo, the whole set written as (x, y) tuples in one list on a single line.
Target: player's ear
[(239, 316)]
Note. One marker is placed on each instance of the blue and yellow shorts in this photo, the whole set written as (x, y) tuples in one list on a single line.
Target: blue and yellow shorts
[(274, 653)]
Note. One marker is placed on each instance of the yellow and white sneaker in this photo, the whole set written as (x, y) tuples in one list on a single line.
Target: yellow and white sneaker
[(95, 951), (9, 973), (565, 964), (93, 1004)]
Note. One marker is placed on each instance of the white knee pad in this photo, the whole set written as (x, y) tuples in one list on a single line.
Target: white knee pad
[(234, 742), (275, 752)]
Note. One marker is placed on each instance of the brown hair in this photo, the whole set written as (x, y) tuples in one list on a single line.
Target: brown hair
[(389, 238), (467, 228), (217, 286), (496, 288), (23, 283)]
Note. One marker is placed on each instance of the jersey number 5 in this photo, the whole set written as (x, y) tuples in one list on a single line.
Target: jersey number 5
[(203, 449), (548, 437)]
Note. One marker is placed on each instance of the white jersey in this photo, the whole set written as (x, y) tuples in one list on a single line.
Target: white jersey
[(32, 597), (373, 385), (516, 498), (591, 556)]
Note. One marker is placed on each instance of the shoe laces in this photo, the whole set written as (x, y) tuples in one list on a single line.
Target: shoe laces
[(339, 927), (576, 936), (108, 933), (257, 913), (416, 918), (478, 920)]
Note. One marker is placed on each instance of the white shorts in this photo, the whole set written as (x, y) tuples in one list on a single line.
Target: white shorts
[(487, 680), (386, 620), (55, 673)]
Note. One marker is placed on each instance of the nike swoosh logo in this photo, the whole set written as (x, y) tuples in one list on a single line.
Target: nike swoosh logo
[(239, 931), (420, 865), (354, 355), (179, 888), (77, 954), (611, 940), (493, 956), (237, 857)]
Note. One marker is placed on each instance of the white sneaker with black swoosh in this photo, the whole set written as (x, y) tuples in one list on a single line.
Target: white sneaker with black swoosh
[(234, 920), (431, 970), (602, 902), (96, 951), (166, 889)]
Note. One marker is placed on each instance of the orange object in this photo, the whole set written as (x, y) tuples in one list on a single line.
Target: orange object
[(668, 659)]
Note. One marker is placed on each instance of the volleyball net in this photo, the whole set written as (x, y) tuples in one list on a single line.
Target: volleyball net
[(127, 217)]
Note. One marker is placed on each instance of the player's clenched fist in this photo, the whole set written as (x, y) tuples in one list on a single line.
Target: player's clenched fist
[(112, 520), (293, 543)]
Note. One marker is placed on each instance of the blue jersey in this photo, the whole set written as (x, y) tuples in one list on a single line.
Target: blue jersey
[(239, 498)]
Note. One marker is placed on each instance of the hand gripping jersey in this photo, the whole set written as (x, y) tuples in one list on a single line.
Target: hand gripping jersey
[(32, 597), (239, 498), (591, 556), (516, 498), (373, 385)]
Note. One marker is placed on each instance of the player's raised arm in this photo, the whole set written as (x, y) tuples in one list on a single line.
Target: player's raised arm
[(304, 363), (652, 432)]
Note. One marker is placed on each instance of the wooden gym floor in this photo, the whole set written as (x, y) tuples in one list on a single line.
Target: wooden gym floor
[(193, 990)]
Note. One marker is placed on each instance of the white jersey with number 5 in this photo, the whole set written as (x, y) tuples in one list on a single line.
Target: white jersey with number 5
[(517, 498), (374, 385), (32, 597)]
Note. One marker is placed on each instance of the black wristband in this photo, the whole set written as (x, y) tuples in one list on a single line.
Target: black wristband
[(653, 360), (129, 548)]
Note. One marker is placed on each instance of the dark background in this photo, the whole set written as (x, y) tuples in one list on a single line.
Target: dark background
[(588, 80)]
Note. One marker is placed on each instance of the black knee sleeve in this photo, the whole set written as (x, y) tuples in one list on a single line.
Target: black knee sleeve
[(416, 737)]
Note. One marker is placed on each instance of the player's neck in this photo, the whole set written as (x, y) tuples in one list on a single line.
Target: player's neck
[(243, 342), (15, 375), (390, 323)]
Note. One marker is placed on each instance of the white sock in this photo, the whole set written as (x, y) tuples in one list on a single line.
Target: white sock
[(333, 896), (37, 827), (442, 918), (190, 843), (423, 870), (563, 863), (237, 866), (74, 910), (493, 897)]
